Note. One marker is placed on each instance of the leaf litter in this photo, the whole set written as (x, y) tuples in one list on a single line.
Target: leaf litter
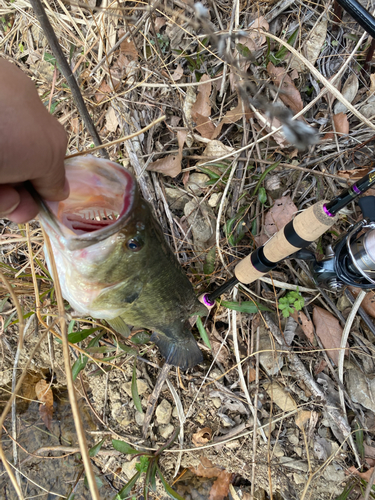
[(185, 70)]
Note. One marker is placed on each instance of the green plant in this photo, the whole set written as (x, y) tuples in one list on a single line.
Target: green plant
[(279, 56), (148, 464), (292, 300)]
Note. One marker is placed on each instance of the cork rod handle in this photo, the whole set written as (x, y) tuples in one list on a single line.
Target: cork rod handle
[(305, 228)]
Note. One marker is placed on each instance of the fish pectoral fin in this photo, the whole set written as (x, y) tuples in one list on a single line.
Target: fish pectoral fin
[(183, 352), (119, 325)]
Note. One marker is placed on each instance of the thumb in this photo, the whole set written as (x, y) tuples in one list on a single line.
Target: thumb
[(53, 185)]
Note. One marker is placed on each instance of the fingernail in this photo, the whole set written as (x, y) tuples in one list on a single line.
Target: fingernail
[(8, 211)]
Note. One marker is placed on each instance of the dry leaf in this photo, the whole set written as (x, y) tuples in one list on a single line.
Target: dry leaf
[(171, 164), (187, 106), (257, 36), (341, 123), (206, 469), (288, 91), (280, 396), (315, 41), (202, 104), (159, 22), (329, 331), (305, 324), (216, 149), (368, 303), (44, 394), (220, 489), (204, 125), (203, 436), (354, 174), (128, 48), (349, 91), (111, 122), (201, 109), (363, 475), (369, 451), (372, 84), (280, 214), (103, 92), (178, 73), (303, 417), (341, 126), (233, 116)]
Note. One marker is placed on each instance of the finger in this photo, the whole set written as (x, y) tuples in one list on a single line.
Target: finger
[(9, 200), (52, 184), (27, 208)]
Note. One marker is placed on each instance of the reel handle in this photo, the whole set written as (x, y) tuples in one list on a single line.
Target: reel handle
[(305, 228)]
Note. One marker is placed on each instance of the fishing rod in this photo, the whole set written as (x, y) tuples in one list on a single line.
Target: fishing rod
[(351, 261)]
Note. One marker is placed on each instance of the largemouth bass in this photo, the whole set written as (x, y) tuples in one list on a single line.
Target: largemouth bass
[(113, 261)]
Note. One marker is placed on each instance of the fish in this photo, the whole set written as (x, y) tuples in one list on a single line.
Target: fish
[(114, 263)]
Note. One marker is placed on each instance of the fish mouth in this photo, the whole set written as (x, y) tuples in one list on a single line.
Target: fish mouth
[(102, 195)]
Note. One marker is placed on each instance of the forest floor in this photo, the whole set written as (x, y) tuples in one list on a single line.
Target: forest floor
[(278, 408)]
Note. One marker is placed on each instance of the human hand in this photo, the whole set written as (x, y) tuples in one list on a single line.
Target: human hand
[(32, 147)]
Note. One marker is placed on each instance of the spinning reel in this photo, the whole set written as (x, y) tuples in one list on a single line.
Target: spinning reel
[(351, 261)]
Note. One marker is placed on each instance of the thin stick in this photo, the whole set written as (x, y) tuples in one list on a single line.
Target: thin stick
[(66, 71), (117, 141), (344, 339), (69, 379)]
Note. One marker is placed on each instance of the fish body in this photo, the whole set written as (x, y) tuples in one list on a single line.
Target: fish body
[(113, 261)]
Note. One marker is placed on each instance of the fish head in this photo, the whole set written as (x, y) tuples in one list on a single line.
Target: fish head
[(97, 232)]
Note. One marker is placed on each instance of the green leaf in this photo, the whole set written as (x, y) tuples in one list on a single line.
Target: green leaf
[(135, 395), (170, 491), (262, 195), (81, 362), (283, 51), (209, 263), (96, 448), (79, 365), (263, 176), (244, 307), (75, 337), (202, 332), (143, 463), (140, 338), (50, 58), (125, 491), (243, 50), (123, 447)]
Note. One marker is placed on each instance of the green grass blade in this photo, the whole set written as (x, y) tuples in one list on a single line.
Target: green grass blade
[(202, 332)]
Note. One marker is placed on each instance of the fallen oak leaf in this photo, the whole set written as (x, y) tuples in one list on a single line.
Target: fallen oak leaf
[(279, 215), (233, 116), (45, 395), (306, 325), (329, 331), (341, 123), (363, 475), (171, 164), (368, 303), (289, 93), (206, 469), (220, 489), (203, 436), (201, 110)]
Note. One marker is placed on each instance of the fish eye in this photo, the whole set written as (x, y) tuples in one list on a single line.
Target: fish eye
[(134, 244)]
